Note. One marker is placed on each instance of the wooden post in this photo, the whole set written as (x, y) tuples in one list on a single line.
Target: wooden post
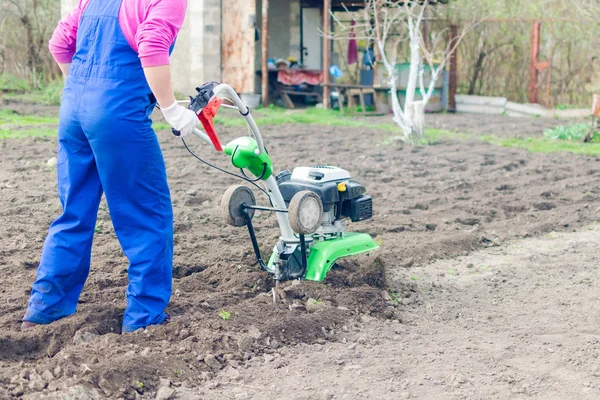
[(595, 114), (265, 53), (453, 74), (535, 66), (326, 53), (533, 71)]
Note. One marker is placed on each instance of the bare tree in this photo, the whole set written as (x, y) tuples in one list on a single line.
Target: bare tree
[(390, 24), (586, 6), (25, 34)]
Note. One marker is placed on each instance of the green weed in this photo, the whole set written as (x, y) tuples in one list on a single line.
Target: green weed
[(395, 296), (572, 132), (225, 315)]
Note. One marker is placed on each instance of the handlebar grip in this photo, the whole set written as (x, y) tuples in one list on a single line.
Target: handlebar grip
[(175, 132)]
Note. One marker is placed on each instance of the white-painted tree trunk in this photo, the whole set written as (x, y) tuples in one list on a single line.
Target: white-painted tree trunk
[(410, 116), (415, 61)]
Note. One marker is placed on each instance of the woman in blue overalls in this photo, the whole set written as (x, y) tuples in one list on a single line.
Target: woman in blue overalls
[(106, 144)]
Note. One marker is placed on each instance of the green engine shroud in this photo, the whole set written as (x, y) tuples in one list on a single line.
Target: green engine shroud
[(243, 155)]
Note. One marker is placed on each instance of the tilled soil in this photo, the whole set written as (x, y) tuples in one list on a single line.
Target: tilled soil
[(434, 203)]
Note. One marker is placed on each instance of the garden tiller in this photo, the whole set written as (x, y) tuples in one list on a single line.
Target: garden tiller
[(311, 203)]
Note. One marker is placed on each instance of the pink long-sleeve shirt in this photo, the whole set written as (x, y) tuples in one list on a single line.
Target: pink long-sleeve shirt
[(150, 27)]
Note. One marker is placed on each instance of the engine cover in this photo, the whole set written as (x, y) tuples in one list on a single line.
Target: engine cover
[(320, 174), (333, 185)]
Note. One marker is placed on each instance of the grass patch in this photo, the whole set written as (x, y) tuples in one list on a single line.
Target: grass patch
[(275, 116), (10, 83), (566, 107), (161, 126), (23, 133), (10, 117), (533, 145), (544, 145), (36, 126), (50, 95)]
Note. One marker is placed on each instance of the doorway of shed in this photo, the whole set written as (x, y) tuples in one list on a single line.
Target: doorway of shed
[(312, 45)]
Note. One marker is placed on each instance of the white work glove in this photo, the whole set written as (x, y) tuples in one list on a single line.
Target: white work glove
[(180, 118)]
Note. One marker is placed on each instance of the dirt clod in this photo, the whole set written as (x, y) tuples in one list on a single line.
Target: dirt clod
[(83, 337), (36, 382), (212, 362), (245, 344), (47, 376), (165, 393)]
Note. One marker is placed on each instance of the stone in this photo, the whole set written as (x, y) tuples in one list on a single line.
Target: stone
[(165, 393), (212, 362), (52, 162), (57, 371), (275, 344), (24, 373), (145, 352)]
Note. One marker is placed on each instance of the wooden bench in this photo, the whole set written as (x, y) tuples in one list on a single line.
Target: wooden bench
[(352, 91)]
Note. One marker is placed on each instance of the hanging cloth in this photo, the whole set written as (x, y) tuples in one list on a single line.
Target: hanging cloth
[(352, 46)]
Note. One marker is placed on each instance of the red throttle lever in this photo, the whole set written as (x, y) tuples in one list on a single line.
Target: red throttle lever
[(206, 106), (206, 117)]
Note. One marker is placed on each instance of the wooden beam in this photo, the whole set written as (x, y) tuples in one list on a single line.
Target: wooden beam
[(326, 53), (265, 53)]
